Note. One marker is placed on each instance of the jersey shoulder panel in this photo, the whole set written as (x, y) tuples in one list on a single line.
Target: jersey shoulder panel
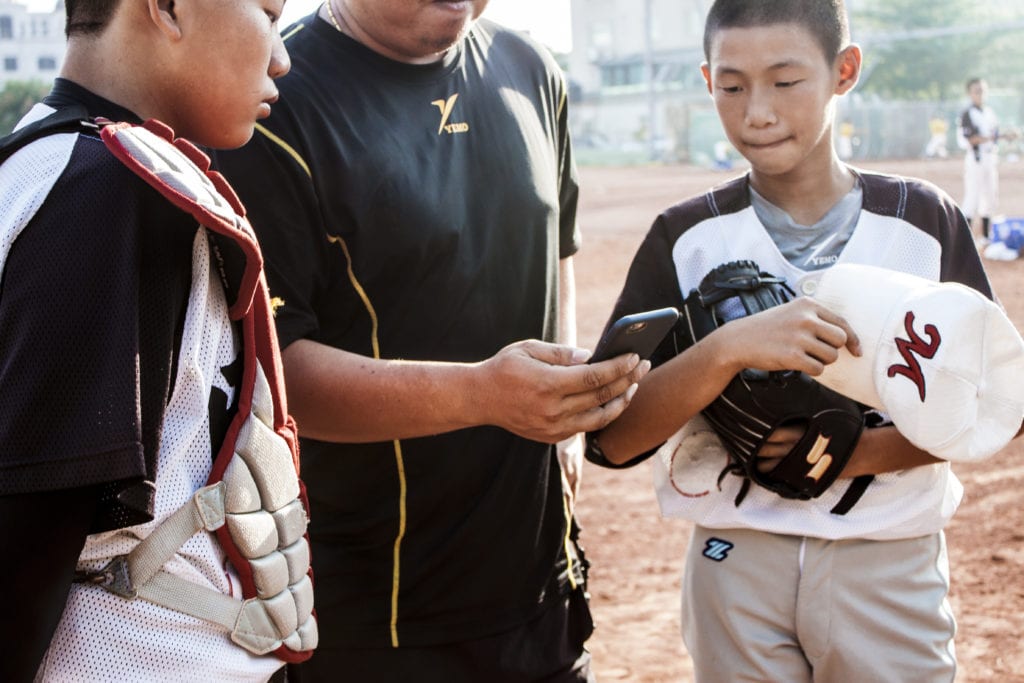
[(721, 200), (918, 202), (920, 208)]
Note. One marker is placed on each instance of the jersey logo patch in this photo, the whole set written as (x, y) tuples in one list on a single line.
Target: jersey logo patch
[(446, 107), (716, 549), (915, 345), (815, 258)]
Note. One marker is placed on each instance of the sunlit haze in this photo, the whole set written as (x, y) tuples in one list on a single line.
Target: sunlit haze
[(546, 20)]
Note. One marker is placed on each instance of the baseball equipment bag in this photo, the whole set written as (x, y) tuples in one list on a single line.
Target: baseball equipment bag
[(756, 402), (253, 502)]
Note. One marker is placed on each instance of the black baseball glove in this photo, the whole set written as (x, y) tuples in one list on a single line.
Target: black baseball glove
[(756, 402)]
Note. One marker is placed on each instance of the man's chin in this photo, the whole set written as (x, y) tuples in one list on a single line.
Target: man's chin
[(440, 44)]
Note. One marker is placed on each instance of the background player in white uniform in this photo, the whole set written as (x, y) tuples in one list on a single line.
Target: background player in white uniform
[(120, 362), (780, 589), (979, 134)]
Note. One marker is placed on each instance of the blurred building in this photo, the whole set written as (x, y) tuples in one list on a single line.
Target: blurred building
[(636, 85), (31, 42), (635, 79)]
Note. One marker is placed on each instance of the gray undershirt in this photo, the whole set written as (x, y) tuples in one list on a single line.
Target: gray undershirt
[(811, 247)]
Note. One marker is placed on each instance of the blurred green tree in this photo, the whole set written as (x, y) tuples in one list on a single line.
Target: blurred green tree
[(926, 50), (16, 99)]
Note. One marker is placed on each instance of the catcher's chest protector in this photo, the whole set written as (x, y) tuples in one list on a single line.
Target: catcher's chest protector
[(253, 503)]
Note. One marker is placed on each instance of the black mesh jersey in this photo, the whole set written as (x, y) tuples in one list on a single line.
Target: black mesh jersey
[(420, 212), (96, 269)]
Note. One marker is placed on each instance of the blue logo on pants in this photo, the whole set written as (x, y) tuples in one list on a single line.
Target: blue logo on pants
[(716, 549)]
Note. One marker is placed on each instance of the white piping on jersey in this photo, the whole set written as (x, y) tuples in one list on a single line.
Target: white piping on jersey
[(901, 208), (712, 204), (689, 324)]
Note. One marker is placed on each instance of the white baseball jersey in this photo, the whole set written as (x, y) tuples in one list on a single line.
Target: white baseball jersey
[(905, 225)]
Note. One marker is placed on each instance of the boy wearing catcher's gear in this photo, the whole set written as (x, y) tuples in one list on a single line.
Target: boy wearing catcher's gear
[(778, 588), (137, 348)]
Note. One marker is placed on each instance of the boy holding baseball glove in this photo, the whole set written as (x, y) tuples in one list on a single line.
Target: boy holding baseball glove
[(818, 551)]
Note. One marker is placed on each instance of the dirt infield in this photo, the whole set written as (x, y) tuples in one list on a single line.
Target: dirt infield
[(637, 555)]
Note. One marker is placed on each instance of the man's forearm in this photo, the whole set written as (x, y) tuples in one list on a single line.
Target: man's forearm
[(339, 396), (538, 390)]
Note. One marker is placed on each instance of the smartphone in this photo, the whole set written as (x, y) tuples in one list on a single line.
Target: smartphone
[(639, 333)]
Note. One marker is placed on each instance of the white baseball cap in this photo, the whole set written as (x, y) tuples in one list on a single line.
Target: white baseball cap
[(940, 358)]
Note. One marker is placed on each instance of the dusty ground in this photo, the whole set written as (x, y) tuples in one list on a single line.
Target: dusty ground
[(637, 555)]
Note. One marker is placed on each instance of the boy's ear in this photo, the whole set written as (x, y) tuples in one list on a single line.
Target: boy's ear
[(163, 14), (849, 69), (705, 71)]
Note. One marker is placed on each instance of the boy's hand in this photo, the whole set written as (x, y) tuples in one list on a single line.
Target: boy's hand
[(799, 335)]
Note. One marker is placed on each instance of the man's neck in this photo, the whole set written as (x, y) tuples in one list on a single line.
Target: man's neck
[(337, 14)]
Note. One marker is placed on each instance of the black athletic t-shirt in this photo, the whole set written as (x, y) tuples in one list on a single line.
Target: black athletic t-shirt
[(92, 301), (420, 212)]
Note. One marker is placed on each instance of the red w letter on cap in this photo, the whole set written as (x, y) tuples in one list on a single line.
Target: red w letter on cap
[(916, 345)]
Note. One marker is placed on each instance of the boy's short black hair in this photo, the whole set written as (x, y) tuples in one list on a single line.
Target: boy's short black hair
[(825, 19), (88, 16), (971, 82)]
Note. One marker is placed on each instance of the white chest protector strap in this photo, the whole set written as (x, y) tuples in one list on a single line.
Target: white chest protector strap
[(254, 502)]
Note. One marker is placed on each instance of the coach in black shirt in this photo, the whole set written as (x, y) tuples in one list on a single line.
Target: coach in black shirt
[(415, 195)]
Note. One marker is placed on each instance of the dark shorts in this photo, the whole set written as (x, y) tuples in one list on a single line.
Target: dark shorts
[(548, 649)]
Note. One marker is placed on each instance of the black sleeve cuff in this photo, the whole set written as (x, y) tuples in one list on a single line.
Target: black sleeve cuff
[(594, 454)]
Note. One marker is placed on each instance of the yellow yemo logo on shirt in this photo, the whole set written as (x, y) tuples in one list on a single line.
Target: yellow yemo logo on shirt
[(446, 107)]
